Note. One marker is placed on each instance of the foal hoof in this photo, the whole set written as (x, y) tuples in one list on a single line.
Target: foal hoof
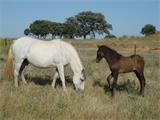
[(112, 94), (141, 94)]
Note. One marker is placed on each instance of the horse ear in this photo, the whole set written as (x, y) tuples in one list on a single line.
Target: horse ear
[(83, 72)]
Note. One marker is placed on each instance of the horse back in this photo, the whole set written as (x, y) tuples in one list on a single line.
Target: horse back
[(20, 47)]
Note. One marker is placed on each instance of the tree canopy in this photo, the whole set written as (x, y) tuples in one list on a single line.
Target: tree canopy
[(81, 25), (148, 29), (91, 23)]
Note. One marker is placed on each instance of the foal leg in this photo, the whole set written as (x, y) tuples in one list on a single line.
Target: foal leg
[(143, 83), (55, 78), (61, 74), (144, 79), (108, 80), (115, 76), (141, 79)]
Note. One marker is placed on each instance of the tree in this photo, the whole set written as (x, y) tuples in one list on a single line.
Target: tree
[(110, 36), (59, 29), (148, 29), (90, 23), (40, 28), (81, 25), (27, 31), (52, 28), (71, 27), (56, 29)]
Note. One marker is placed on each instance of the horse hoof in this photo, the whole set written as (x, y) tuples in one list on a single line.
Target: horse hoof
[(24, 83)]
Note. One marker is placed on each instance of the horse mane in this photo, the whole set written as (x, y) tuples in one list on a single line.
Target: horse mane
[(111, 51)]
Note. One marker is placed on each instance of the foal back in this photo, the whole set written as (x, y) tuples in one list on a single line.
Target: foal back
[(139, 62), (130, 64)]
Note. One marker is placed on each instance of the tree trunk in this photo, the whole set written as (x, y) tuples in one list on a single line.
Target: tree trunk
[(53, 36), (71, 36)]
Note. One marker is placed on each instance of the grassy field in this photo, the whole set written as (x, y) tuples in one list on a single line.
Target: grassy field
[(39, 101)]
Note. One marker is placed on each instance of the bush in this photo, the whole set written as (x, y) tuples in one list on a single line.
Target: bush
[(148, 29), (110, 36)]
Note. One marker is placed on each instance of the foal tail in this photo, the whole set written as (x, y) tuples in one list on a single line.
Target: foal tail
[(8, 67), (139, 62)]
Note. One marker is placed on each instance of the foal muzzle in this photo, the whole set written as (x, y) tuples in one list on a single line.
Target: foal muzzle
[(97, 61)]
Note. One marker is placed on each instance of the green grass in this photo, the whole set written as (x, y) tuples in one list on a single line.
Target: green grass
[(39, 101)]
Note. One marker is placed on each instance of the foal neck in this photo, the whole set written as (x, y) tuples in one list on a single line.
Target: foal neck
[(111, 56)]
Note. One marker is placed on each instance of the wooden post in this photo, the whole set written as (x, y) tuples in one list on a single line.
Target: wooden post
[(5, 42), (135, 49)]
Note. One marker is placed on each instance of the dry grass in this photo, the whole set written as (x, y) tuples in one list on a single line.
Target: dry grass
[(39, 101)]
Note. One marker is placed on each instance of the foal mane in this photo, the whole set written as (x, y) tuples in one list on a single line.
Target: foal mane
[(110, 50)]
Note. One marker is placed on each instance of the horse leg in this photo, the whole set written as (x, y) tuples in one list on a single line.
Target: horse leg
[(55, 78), (16, 73), (115, 76), (108, 80), (16, 78), (141, 79), (21, 71), (61, 74)]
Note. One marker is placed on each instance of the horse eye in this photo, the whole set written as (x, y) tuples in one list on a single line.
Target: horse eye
[(82, 80)]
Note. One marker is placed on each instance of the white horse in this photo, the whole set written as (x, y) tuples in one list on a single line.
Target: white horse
[(44, 54)]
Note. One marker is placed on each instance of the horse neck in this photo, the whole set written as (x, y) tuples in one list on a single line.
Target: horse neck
[(76, 64)]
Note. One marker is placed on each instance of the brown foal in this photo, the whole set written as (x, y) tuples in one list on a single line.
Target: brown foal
[(120, 64)]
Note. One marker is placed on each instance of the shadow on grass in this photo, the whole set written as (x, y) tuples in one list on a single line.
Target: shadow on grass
[(46, 80), (128, 86), (2, 59)]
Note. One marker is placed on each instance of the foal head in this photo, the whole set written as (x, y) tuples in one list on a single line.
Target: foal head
[(100, 54)]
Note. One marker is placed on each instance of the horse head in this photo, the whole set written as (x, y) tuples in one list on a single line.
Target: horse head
[(79, 80)]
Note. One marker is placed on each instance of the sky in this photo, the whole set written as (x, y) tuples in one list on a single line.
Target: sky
[(126, 16)]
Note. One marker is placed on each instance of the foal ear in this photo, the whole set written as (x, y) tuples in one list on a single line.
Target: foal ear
[(102, 54), (98, 46)]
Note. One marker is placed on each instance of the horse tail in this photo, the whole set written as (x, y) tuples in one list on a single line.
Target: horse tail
[(8, 67)]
